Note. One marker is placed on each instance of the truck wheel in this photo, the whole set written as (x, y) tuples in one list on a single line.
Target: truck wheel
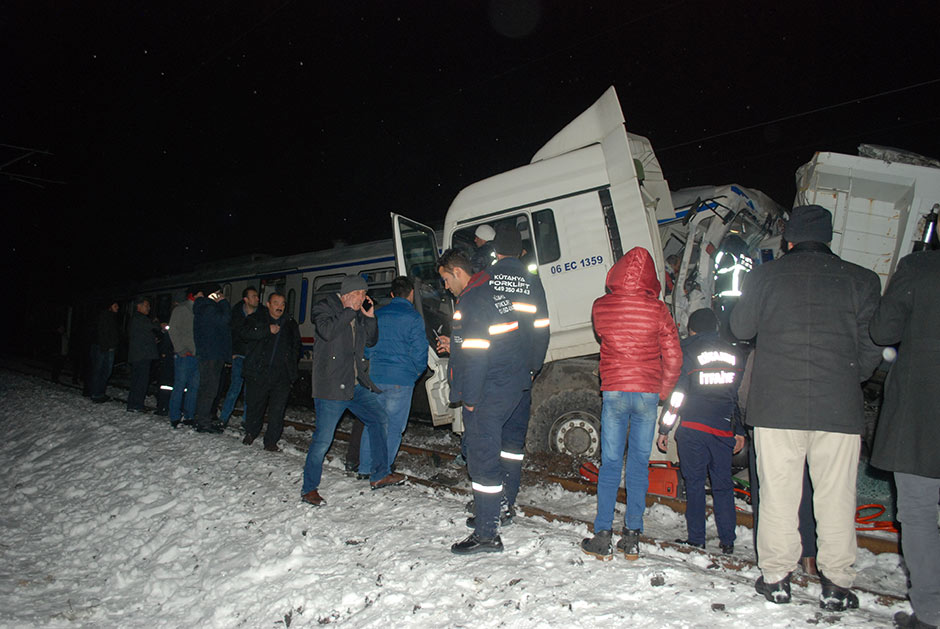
[(568, 422)]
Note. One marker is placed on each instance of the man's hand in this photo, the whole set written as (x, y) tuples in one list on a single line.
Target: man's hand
[(443, 344), (275, 328), (738, 444), (352, 300), (468, 407), (662, 442)]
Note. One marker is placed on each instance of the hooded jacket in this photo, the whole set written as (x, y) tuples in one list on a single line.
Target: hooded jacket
[(640, 350)]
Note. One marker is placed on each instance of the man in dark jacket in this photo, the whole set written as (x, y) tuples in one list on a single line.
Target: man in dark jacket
[(909, 427), (705, 396), (510, 277), (396, 361), (141, 352), (810, 312), (107, 336), (272, 340), (240, 313), (345, 326), (488, 372), (213, 337)]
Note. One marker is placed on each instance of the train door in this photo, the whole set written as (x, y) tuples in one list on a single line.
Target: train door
[(416, 255)]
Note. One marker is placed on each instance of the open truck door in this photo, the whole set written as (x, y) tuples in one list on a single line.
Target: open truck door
[(416, 256)]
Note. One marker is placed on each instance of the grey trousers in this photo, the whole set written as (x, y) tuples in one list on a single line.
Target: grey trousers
[(920, 542)]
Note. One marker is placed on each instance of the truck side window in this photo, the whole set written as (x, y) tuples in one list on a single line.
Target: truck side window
[(546, 236)]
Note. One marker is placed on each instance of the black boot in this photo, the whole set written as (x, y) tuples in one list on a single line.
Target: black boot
[(474, 544), (835, 598), (778, 592), (506, 515), (629, 544), (910, 621), (599, 545)]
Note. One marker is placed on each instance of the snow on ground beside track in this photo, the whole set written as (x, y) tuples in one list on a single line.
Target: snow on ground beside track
[(113, 519)]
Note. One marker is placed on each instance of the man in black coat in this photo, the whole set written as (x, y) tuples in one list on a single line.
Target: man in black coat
[(240, 313), (213, 336), (107, 336), (909, 427), (345, 326), (141, 352), (272, 340), (810, 312)]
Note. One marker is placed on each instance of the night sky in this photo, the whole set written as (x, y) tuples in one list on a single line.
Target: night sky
[(182, 132)]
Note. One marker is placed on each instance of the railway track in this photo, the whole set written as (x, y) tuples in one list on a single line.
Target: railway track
[(731, 566)]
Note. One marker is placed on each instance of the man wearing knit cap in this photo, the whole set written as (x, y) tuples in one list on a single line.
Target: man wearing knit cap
[(810, 312), (345, 326)]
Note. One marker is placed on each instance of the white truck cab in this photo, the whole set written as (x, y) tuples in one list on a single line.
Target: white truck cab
[(591, 193)]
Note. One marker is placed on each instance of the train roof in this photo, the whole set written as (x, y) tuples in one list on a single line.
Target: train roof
[(260, 266)]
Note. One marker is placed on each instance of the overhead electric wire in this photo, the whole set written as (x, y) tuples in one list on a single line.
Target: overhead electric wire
[(799, 115)]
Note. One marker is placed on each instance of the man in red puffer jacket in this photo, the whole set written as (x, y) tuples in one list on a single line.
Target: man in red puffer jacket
[(640, 363)]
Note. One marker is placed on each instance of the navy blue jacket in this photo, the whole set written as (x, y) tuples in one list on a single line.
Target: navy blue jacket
[(510, 277), (487, 357), (401, 355), (711, 375), (211, 329)]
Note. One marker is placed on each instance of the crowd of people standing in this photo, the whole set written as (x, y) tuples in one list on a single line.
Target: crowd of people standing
[(815, 326)]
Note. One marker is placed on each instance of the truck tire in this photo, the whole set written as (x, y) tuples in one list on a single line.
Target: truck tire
[(568, 422)]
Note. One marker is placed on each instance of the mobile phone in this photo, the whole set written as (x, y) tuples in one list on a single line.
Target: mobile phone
[(367, 304)]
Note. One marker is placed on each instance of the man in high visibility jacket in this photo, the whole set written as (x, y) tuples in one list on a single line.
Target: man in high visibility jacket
[(488, 373), (705, 396), (510, 277)]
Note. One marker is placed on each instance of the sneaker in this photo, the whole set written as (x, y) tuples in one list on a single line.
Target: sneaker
[(598, 546), (778, 592), (174, 424), (910, 621), (629, 544), (388, 481), (248, 440), (505, 517), (474, 544), (835, 598), (686, 542), (271, 448), (726, 549), (314, 498)]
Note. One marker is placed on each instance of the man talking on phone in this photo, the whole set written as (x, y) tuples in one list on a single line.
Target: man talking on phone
[(345, 326)]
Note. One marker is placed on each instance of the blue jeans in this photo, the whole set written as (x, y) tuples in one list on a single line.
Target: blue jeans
[(396, 398), (185, 376), (624, 411), (101, 371), (366, 406), (234, 389)]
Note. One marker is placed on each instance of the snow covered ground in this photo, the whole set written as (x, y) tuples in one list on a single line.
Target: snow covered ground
[(111, 519)]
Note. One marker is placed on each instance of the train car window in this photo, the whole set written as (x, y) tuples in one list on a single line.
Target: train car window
[(546, 236), (291, 301), (463, 239), (323, 286)]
